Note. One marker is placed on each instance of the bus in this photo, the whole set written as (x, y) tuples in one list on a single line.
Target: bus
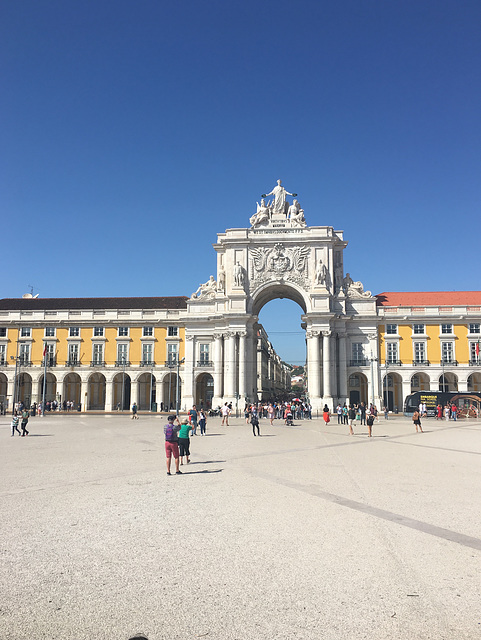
[(468, 404)]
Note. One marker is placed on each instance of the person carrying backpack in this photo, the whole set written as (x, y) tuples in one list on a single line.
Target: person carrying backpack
[(255, 422), (15, 425), (171, 431), (24, 422), (370, 422)]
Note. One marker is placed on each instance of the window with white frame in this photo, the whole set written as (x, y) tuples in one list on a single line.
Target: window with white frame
[(447, 352), (204, 353), (3, 332), (148, 332), (25, 332), (474, 327), (3, 353), (147, 352), (446, 328), (74, 332), (73, 354), (122, 353), (474, 351), (24, 354), (98, 332), (357, 352), (98, 354), (391, 352), (123, 332), (50, 355), (50, 332), (391, 329), (172, 332), (418, 328), (419, 352), (172, 353)]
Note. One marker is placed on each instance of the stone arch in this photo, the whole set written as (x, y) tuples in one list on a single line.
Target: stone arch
[(474, 382), (204, 390), (24, 389), (121, 388), (147, 385), (420, 382), (3, 389), (169, 390), (72, 388), (448, 382), (357, 388), (392, 396), (96, 392), (278, 290), (50, 388)]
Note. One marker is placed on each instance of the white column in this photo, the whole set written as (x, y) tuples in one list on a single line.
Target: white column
[(313, 368), (326, 367), (229, 365), (374, 383), (10, 392), (108, 394), (218, 374), (84, 399), (187, 396), (342, 369), (242, 364)]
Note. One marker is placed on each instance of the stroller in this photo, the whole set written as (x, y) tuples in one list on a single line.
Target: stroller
[(289, 421)]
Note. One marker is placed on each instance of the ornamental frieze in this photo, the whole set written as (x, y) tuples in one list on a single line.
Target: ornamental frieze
[(288, 264)]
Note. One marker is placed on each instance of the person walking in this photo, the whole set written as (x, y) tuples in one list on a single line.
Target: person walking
[(255, 422), (15, 425), (193, 419), (417, 421), (339, 414), (271, 413), (345, 413), (225, 414), (454, 412), (362, 412), (184, 441), (370, 422), (24, 422), (352, 418), (171, 431), (202, 422), (326, 414), (134, 411)]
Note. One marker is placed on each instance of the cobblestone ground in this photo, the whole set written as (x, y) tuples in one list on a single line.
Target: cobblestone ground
[(303, 533)]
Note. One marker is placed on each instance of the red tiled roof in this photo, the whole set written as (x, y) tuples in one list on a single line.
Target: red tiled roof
[(428, 298), (39, 304)]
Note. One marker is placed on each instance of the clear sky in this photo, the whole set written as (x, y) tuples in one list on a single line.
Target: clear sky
[(135, 131)]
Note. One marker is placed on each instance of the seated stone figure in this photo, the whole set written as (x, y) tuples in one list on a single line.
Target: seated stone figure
[(296, 214), (205, 290), (262, 214)]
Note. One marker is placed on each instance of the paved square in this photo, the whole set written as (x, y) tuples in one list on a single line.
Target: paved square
[(304, 533)]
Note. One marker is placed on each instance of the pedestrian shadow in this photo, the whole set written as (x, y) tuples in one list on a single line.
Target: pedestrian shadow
[(191, 473), (210, 435), (40, 435), (207, 462), (267, 435)]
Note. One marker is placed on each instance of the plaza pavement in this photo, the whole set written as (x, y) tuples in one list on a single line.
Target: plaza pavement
[(304, 533)]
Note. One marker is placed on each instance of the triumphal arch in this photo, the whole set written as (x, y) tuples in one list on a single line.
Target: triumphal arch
[(279, 256)]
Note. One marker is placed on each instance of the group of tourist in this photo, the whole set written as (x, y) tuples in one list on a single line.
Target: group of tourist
[(177, 436), (448, 412), (24, 414)]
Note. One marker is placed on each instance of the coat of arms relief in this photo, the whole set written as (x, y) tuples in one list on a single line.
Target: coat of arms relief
[(287, 264)]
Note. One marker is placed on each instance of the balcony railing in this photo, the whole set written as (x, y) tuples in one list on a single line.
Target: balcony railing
[(51, 362), (205, 363), (171, 363), (147, 363), (122, 363), (23, 362), (97, 363), (73, 362), (474, 363), (449, 363), (394, 363), (359, 362), (421, 363)]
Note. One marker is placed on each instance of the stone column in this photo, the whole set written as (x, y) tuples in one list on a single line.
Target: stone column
[(187, 395), (10, 392), (326, 367), (229, 365), (313, 367), (242, 364), (109, 388), (374, 382), (218, 373), (84, 398), (134, 392), (342, 369)]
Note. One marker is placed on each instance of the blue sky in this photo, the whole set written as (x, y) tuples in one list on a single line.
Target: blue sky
[(134, 132)]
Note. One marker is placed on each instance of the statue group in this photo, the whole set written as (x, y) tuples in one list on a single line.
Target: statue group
[(278, 207)]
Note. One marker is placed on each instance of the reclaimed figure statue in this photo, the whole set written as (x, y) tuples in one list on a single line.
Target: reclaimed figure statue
[(279, 194), (296, 214), (354, 289), (221, 280), (262, 214), (205, 289), (321, 273), (239, 275), (346, 283)]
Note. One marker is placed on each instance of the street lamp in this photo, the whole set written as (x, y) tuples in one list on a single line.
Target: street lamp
[(372, 359), (179, 362), (123, 380)]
